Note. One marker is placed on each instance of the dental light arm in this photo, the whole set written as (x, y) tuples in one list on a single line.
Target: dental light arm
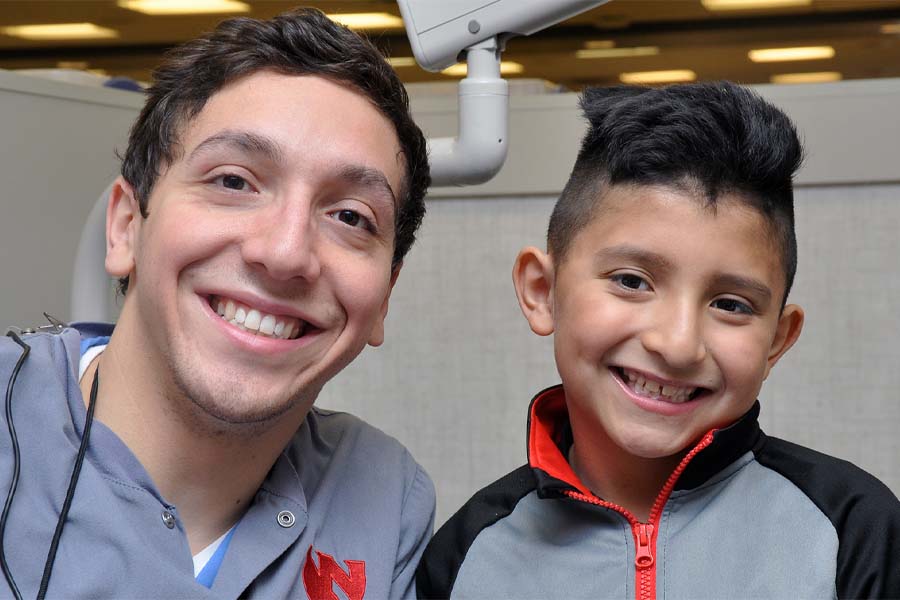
[(446, 32)]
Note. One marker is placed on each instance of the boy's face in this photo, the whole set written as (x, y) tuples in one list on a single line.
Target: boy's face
[(280, 213), (666, 316)]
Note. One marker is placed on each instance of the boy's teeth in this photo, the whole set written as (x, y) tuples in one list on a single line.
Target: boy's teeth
[(670, 393), (251, 319)]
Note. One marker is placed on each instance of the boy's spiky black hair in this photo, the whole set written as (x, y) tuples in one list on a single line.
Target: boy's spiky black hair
[(708, 139)]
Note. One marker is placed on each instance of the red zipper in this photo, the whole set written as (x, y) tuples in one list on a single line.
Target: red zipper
[(645, 533)]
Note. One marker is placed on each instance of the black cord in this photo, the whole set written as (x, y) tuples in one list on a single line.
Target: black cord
[(70, 492), (16, 461)]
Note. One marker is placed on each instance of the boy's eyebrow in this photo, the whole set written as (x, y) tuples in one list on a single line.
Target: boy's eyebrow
[(635, 254), (753, 286), (245, 141)]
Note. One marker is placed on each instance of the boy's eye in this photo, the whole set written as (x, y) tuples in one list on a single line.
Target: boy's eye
[(631, 281), (733, 306)]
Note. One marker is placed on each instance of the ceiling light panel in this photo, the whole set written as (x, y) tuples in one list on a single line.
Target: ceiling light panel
[(765, 55), (752, 4), (815, 77), (669, 76), (184, 7), (60, 31), (368, 20)]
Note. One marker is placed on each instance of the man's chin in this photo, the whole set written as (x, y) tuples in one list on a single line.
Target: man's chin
[(232, 409)]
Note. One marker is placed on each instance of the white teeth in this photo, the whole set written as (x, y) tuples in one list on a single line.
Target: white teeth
[(252, 320), (267, 325), (644, 387)]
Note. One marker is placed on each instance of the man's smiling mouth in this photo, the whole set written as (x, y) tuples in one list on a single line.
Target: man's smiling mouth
[(255, 321), (642, 386)]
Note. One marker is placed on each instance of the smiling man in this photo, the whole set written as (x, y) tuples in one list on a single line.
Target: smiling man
[(272, 185)]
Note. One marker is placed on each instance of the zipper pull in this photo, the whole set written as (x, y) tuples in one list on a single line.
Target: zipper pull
[(644, 557)]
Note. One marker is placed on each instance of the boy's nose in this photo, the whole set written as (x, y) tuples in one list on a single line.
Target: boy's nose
[(285, 244), (677, 338)]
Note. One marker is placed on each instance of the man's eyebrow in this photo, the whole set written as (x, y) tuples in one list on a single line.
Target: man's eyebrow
[(748, 284), (367, 177), (634, 254), (245, 141)]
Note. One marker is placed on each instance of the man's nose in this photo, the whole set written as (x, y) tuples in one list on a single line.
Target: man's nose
[(676, 336), (284, 242)]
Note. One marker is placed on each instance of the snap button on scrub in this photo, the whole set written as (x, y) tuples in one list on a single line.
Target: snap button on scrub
[(286, 519), (168, 519)]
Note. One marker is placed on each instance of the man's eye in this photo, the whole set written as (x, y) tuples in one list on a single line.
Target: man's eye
[(234, 182), (353, 218), (732, 306), (631, 281)]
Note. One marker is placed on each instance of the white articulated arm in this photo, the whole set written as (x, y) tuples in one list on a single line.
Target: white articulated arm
[(442, 32), (479, 149)]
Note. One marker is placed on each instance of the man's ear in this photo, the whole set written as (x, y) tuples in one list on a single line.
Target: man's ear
[(377, 336), (533, 278), (790, 323), (123, 219)]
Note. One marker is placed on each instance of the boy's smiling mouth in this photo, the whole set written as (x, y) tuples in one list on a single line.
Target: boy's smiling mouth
[(648, 387), (258, 322)]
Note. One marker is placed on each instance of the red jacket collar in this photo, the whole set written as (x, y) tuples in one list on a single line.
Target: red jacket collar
[(549, 439)]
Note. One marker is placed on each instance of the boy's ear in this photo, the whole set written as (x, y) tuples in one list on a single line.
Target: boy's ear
[(790, 323), (376, 338), (123, 219), (533, 278)]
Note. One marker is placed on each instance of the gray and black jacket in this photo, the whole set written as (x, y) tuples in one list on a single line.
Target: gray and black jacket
[(743, 516)]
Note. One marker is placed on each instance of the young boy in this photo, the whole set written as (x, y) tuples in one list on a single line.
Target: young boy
[(671, 252)]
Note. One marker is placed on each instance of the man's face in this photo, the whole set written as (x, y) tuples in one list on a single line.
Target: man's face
[(264, 265), (666, 317)]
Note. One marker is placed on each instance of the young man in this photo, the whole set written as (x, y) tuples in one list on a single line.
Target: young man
[(272, 185), (671, 253)]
